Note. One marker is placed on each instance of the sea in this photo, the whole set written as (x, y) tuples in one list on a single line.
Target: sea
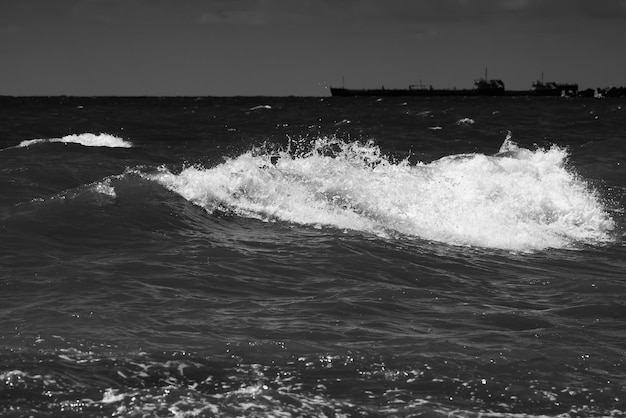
[(312, 257)]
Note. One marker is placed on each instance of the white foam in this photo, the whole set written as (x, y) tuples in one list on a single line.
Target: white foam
[(465, 121), (112, 395), (85, 139), (105, 188), (516, 200), (259, 107)]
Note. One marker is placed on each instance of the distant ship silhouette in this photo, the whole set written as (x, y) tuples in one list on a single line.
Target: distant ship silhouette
[(482, 87)]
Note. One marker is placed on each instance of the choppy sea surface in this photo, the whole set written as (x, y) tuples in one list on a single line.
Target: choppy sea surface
[(311, 257)]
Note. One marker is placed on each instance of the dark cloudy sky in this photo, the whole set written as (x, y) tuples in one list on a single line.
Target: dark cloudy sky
[(300, 47)]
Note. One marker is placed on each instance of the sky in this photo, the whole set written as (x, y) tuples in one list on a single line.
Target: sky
[(301, 47)]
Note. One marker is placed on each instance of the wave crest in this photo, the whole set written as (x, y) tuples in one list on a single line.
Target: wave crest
[(518, 199), (85, 139)]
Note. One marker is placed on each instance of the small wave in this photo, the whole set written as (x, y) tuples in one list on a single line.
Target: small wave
[(518, 199), (82, 383), (85, 139), (465, 121), (261, 107)]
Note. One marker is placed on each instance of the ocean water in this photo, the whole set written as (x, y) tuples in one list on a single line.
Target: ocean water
[(312, 257)]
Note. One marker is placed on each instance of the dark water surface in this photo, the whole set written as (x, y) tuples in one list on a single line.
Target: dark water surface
[(312, 257)]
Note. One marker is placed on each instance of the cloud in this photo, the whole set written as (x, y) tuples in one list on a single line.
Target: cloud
[(349, 12), (335, 13), (469, 10), (560, 9)]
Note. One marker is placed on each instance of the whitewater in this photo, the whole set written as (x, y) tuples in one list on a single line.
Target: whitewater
[(514, 200)]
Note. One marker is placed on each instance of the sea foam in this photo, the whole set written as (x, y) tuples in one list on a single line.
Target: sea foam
[(517, 199), (85, 139)]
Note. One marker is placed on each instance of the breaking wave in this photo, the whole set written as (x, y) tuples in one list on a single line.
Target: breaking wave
[(85, 139), (517, 199)]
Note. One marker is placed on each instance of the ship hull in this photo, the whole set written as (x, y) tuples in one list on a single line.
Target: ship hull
[(343, 92)]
